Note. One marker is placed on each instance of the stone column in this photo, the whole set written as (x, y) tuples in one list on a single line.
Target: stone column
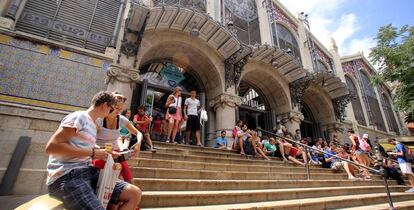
[(292, 120), (335, 128), (122, 79), (264, 23), (303, 43), (224, 106), (213, 8), (9, 13)]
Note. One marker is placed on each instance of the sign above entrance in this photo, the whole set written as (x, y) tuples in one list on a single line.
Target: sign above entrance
[(172, 74)]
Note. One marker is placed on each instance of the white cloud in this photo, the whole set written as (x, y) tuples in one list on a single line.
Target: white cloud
[(357, 45), (324, 23)]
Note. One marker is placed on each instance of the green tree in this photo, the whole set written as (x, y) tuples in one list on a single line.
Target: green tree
[(394, 54)]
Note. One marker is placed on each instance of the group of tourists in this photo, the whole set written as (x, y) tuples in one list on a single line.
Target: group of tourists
[(322, 152), (77, 150)]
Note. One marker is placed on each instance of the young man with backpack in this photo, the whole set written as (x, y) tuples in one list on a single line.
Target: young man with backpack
[(404, 161)]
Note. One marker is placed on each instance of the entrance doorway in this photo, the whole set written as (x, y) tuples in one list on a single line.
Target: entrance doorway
[(254, 111), (309, 127), (158, 79)]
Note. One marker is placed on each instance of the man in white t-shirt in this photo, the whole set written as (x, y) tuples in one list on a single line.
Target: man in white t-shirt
[(191, 109)]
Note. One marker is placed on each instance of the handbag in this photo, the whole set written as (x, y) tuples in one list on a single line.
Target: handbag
[(172, 109)]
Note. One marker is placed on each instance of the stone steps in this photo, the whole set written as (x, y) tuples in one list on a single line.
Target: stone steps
[(331, 202), (159, 144), (275, 167), (144, 172), (192, 198), (248, 160), (403, 205), (152, 184)]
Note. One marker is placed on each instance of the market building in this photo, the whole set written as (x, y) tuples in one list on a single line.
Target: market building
[(253, 61)]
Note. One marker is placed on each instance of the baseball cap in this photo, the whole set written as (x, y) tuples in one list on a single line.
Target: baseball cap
[(365, 136)]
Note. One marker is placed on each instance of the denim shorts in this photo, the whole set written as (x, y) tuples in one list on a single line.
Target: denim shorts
[(77, 189), (359, 152)]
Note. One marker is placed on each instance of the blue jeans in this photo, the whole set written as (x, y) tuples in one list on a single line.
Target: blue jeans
[(77, 189)]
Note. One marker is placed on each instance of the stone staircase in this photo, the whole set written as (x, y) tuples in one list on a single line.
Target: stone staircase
[(190, 177)]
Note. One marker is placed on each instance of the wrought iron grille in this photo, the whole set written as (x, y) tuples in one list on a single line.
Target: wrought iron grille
[(88, 24), (356, 103), (199, 5)]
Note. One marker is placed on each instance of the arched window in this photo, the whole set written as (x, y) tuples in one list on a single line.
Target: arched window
[(356, 103), (389, 114), (286, 40), (371, 102), (243, 13)]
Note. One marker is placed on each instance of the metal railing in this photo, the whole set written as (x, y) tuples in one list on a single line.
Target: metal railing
[(381, 171)]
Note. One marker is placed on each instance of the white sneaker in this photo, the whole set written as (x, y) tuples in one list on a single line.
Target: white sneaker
[(410, 190)]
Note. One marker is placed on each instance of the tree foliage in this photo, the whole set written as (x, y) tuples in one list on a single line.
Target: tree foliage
[(394, 54)]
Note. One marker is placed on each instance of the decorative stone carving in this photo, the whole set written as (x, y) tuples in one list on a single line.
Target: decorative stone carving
[(234, 66), (334, 128), (340, 104), (297, 89), (121, 74), (130, 48), (292, 116), (224, 100)]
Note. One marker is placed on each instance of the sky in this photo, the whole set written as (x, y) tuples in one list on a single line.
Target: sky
[(353, 24)]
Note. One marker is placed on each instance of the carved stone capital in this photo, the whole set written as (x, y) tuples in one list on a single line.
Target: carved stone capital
[(224, 100), (292, 116), (121, 74), (334, 128)]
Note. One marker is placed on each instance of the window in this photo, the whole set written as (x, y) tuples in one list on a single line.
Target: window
[(87, 24), (389, 114), (356, 103), (286, 40), (243, 13), (371, 102)]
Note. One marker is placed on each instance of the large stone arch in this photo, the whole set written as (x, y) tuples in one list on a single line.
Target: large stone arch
[(320, 105), (187, 51), (270, 83)]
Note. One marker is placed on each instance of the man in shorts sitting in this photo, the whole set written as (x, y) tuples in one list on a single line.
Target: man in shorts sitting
[(71, 176)]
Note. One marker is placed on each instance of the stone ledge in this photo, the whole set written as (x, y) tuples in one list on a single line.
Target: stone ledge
[(31, 112)]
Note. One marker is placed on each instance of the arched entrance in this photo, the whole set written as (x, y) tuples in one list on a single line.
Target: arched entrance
[(170, 58), (265, 94), (255, 110), (318, 112), (309, 127)]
